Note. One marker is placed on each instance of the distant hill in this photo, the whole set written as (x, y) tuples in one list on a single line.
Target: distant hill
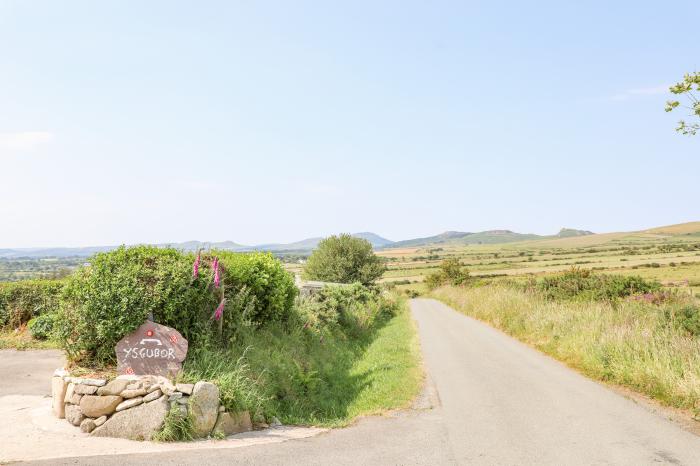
[(310, 244), (437, 239), (482, 237), (569, 232), (689, 228), (376, 240)]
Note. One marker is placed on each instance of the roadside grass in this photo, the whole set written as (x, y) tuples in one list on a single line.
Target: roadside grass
[(625, 343), (21, 339), (307, 379)]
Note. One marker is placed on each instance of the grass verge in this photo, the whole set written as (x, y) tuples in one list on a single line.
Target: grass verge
[(626, 343), (305, 378)]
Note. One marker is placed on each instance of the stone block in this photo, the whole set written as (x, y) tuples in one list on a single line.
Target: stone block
[(130, 403), (233, 423), (204, 408), (59, 387), (138, 423), (96, 406)]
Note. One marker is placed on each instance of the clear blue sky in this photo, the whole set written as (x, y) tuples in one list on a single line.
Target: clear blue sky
[(255, 121)]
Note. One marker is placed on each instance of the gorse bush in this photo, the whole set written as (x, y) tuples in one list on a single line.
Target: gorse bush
[(585, 284), (21, 301), (115, 294)]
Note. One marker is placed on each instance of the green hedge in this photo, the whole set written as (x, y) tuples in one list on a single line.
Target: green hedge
[(262, 276), (116, 293), (21, 301)]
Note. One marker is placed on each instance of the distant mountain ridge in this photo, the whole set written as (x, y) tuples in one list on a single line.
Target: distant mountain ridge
[(305, 246)]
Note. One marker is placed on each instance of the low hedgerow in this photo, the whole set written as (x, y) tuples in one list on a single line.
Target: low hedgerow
[(21, 301)]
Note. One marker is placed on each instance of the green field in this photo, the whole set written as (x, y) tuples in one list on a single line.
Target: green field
[(669, 254)]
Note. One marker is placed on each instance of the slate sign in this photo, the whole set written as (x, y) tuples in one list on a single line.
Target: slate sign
[(152, 349)]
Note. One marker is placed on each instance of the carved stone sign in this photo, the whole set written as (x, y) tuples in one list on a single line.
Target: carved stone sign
[(152, 349)]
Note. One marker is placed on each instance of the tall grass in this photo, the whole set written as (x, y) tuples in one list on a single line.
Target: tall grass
[(627, 343)]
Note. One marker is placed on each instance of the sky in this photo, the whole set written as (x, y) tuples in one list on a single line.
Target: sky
[(128, 122)]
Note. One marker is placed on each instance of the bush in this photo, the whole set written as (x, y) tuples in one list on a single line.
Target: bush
[(117, 292), (264, 278), (21, 301), (584, 284), (344, 259), (351, 309), (689, 319), (449, 273), (41, 327)]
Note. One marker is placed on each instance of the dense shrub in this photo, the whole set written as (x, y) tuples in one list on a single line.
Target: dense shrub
[(21, 301), (41, 327), (449, 273), (689, 319), (351, 309), (344, 259), (264, 278), (584, 284), (117, 292)]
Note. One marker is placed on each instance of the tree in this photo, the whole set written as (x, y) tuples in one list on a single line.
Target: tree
[(344, 259), (690, 83), (450, 272)]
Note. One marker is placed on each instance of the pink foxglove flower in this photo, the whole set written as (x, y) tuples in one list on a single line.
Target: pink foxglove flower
[(195, 267), (220, 310), (217, 276)]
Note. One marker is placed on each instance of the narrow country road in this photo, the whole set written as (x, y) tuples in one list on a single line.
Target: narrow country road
[(499, 402)]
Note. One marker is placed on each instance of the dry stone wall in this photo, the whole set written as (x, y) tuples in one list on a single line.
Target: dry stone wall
[(135, 407)]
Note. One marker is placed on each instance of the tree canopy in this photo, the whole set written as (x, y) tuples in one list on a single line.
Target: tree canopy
[(344, 259), (690, 83)]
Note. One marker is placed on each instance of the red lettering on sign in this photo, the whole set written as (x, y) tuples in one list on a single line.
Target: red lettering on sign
[(173, 338)]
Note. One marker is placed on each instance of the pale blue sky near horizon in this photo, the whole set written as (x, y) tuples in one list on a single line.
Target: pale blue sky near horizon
[(258, 122)]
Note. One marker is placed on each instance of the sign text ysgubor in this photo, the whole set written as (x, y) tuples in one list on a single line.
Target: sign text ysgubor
[(151, 349)]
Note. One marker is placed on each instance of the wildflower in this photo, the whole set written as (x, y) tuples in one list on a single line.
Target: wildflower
[(195, 267), (220, 310), (217, 276)]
